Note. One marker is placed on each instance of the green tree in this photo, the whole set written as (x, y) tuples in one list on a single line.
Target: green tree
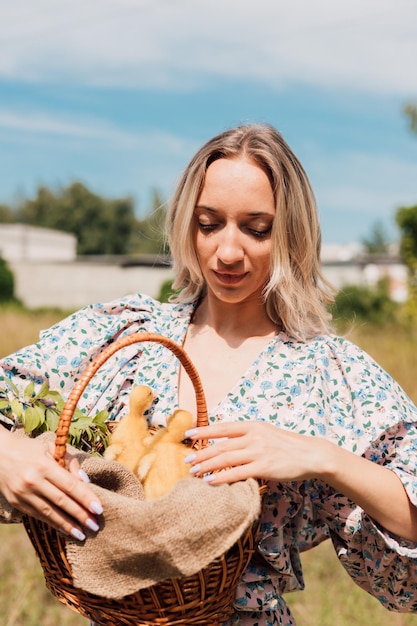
[(101, 225), (6, 214), (406, 218), (6, 282), (410, 111), (150, 236), (377, 243), (369, 304)]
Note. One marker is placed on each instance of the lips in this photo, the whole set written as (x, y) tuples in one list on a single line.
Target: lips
[(229, 279)]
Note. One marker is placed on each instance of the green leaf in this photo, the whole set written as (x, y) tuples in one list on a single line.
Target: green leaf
[(4, 404), (29, 389), (74, 435), (82, 422), (101, 417), (78, 414), (17, 408), (52, 419), (43, 391), (53, 395), (33, 419)]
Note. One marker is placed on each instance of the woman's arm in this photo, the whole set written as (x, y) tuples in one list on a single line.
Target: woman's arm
[(261, 450), (34, 483)]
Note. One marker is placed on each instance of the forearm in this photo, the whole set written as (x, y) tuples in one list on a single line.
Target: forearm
[(376, 489), (263, 451)]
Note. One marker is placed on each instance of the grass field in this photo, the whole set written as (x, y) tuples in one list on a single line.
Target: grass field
[(330, 598)]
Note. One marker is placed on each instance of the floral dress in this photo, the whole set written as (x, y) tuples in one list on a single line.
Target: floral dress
[(325, 387)]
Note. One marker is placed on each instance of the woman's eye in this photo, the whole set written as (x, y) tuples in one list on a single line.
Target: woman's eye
[(259, 234), (206, 227)]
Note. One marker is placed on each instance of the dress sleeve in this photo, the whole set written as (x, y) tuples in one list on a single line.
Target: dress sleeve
[(381, 425), (381, 563), (64, 350)]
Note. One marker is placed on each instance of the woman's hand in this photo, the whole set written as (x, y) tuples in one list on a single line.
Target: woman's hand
[(261, 450), (256, 449), (35, 484)]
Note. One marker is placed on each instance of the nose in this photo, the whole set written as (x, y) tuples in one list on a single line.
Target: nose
[(229, 248)]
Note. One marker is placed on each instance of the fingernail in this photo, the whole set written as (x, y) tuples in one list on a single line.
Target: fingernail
[(96, 507), (194, 469), (83, 476), (208, 477), (92, 525), (191, 432), (77, 534), (190, 458)]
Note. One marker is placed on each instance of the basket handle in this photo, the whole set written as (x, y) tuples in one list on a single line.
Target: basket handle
[(75, 394)]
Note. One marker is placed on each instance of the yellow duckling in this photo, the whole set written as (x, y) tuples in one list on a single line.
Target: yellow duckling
[(129, 440), (163, 464)]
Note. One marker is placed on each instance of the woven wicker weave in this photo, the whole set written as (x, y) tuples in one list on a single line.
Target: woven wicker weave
[(203, 599)]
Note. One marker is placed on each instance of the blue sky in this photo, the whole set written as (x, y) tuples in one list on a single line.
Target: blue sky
[(120, 93)]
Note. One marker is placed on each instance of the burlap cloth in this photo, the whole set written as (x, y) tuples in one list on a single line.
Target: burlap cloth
[(143, 542)]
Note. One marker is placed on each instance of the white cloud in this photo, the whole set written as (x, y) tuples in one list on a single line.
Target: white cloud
[(363, 44), (43, 124), (37, 124)]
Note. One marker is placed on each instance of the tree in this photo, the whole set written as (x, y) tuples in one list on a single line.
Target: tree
[(6, 282), (372, 305), (410, 111), (150, 236), (377, 242), (6, 214), (406, 218), (102, 226)]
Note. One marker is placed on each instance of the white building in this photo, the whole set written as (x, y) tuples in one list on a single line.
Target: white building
[(21, 242), (48, 273)]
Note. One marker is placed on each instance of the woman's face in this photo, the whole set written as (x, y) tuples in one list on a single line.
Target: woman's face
[(233, 221)]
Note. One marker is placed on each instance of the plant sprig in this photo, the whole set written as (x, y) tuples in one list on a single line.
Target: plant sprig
[(38, 411)]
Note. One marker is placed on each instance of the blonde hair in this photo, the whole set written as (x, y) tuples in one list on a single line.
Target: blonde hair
[(296, 295)]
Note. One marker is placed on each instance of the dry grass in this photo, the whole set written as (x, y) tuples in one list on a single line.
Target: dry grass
[(330, 598), (20, 328)]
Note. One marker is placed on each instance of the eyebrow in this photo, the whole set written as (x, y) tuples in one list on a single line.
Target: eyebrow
[(250, 214)]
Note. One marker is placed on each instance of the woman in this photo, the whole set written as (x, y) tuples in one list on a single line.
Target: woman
[(329, 430)]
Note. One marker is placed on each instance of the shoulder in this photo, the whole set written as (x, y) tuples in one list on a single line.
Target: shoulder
[(332, 347), (340, 362), (344, 365), (134, 310)]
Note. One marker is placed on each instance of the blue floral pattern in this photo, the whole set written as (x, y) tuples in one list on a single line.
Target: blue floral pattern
[(326, 387)]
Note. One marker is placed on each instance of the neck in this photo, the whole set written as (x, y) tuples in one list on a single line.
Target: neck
[(241, 320)]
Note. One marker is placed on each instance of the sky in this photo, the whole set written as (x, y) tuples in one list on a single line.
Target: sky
[(119, 94)]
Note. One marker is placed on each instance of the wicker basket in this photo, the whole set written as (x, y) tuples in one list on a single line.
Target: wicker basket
[(205, 598)]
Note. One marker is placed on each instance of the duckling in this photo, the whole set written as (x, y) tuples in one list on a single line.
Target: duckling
[(130, 438), (163, 465)]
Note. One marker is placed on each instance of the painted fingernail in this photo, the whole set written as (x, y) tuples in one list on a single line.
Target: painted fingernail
[(92, 525), (96, 507), (83, 476), (208, 478), (191, 432), (77, 534), (190, 458), (194, 469)]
